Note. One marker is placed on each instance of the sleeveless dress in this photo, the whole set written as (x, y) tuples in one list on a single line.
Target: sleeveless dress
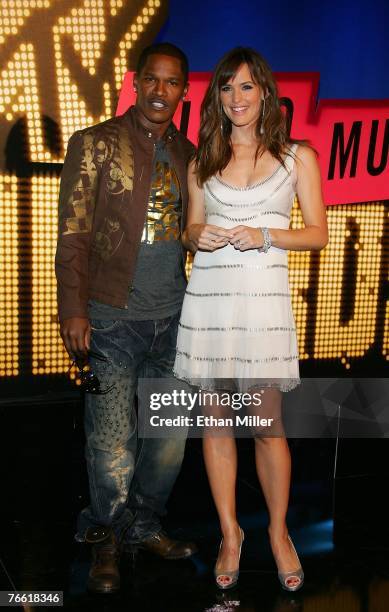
[(237, 329)]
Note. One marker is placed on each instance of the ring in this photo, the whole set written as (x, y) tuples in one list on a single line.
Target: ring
[(238, 243)]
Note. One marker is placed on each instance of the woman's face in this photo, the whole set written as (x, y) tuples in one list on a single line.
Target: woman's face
[(241, 98)]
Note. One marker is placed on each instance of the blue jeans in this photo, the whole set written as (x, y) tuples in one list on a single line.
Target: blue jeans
[(130, 479)]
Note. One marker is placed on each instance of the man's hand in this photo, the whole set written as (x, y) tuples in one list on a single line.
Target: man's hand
[(75, 333), (208, 237)]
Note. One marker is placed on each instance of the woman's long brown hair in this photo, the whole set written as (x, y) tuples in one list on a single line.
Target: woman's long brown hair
[(214, 150)]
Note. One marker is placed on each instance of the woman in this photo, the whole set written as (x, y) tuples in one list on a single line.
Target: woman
[(237, 323)]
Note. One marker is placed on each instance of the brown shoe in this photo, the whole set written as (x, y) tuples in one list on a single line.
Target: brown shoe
[(160, 544), (104, 574)]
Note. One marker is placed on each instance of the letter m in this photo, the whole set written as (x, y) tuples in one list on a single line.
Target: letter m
[(344, 153)]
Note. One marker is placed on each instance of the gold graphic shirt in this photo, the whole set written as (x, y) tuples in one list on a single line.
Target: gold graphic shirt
[(164, 210)]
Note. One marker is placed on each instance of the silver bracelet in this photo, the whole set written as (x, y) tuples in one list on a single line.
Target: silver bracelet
[(266, 240)]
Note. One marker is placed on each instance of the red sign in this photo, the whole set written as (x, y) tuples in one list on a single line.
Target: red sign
[(350, 136)]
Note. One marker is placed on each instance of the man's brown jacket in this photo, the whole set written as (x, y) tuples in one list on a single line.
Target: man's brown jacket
[(104, 194)]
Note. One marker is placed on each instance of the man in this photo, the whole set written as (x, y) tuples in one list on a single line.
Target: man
[(121, 281)]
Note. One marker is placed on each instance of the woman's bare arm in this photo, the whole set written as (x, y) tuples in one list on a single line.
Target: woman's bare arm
[(314, 236)]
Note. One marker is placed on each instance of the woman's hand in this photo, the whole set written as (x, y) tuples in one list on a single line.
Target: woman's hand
[(198, 234), (245, 238), (207, 237)]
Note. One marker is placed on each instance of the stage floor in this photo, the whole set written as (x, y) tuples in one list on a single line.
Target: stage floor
[(44, 486)]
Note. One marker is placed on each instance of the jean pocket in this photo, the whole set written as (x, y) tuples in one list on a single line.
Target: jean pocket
[(102, 326)]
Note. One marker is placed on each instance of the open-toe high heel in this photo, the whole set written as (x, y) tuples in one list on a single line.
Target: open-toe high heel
[(296, 575), (231, 575)]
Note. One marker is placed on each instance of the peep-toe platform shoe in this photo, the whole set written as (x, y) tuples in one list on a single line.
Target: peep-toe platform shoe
[(231, 575), (298, 574)]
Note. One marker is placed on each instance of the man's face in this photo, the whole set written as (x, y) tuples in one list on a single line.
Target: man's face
[(160, 86)]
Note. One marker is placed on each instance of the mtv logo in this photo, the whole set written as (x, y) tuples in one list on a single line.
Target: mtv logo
[(66, 61)]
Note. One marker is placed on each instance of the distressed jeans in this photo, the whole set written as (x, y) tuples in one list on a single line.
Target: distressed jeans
[(130, 478)]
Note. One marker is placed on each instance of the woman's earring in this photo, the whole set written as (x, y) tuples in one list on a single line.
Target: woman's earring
[(262, 129)]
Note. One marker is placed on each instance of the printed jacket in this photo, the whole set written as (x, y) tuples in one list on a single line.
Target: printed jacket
[(104, 195)]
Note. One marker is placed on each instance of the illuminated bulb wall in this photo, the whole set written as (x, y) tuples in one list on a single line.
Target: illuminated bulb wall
[(354, 338), (9, 278), (336, 293), (66, 60), (48, 356)]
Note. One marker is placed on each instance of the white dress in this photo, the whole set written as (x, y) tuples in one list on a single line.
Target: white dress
[(237, 328)]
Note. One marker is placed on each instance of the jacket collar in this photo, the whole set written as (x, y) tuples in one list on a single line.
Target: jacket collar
[(133, 115)]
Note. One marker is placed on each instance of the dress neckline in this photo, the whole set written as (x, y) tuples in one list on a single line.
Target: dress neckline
[(253, 185), (262, 181)]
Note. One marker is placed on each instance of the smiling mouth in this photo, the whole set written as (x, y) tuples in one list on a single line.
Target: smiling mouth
[(158, 105), (239, 109)]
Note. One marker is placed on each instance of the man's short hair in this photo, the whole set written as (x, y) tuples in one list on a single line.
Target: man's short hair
[(164, 48)]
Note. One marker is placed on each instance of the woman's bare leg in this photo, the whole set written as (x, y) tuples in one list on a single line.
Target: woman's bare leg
[(220, 457), (272, 458)]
